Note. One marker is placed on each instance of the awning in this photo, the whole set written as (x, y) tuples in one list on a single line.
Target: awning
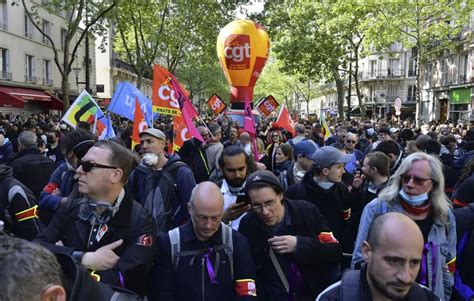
[(17, 97)]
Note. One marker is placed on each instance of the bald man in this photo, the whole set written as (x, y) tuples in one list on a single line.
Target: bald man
[(392, 253), (203, 259)]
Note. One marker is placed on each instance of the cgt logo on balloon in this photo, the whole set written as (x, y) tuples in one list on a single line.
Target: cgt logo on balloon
[(237, 52)]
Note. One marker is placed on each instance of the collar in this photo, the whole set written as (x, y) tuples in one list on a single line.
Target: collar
[(188, 235), (125, 206)]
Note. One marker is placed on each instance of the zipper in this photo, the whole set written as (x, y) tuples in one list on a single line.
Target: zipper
[(202, 278)]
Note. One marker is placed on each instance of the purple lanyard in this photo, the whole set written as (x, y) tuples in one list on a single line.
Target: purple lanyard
[(295, 281), (210, 269), (424, 265)]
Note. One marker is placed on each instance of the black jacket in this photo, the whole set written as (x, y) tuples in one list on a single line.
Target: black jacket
[(334, 203), (18, 206), (132, 223), (317, 261), (190, 280)]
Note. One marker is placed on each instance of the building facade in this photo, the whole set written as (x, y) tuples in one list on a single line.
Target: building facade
[(30, 80)]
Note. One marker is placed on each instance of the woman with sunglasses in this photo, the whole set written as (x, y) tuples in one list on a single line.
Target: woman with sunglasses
[(417, 190), (283, 158), (275, 139)]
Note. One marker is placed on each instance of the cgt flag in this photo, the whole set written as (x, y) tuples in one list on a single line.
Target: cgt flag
[(181, 133), (284, 121), (139, 124), (165, 98), (216, 104), (267, 105), (84, 108)]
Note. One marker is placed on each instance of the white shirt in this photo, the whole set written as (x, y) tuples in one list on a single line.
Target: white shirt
[(228, 200)]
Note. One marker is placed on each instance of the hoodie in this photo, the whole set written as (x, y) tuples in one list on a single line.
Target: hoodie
[(6, 151)]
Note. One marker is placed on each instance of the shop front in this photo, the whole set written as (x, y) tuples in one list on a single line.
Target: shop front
[(460, 104)]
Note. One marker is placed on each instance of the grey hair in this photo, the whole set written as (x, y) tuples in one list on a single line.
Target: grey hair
[(27, 138), (23, 262), (439, 200)]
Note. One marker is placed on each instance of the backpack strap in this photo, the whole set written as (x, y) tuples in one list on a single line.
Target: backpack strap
[(175, 243), (283, 177), (228, 243), (350, 285)]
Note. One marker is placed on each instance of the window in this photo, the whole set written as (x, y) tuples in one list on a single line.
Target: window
[(30, 68), (392, 93), (445, 72), (373, 68), (28, 27), (463, 64), (5, 64), (429, 73), (47, 30), (412, 65), (63, 37), (393, 67), (47, 80), (3, 15), (411, 93)]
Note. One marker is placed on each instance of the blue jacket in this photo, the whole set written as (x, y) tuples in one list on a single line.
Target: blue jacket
[(442, 237), (61, 178), (6, 151), (184, 179)]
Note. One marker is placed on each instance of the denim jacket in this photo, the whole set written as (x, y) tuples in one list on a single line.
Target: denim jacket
[(444, 246)]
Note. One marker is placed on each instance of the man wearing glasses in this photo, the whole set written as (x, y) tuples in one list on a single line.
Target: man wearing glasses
[(105, 231), (350, 142), (416, 189), (295, 252), (203, 259)]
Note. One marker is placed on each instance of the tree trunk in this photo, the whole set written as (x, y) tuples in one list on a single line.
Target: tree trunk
[(357, 86), (65, 92), (340, 92), (418, 87)]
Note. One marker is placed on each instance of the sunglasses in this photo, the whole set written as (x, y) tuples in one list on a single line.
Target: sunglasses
[(351, 141), (87, 166), (275, 136), (418, 181)]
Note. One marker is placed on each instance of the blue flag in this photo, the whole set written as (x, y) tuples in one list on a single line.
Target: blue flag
[(123, 102)]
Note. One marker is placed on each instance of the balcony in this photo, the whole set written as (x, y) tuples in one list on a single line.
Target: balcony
[(31, 79), (47, 82), (46, 41), (412, 73), (389, 74), (5, 75), (411, 99)]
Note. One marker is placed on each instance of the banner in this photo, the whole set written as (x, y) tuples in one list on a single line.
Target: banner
[(109, 130), (216, 104), (164, 98), (181, 133), (267, 105), (324, 125), (84, 108), (123, 102), (139, 125)]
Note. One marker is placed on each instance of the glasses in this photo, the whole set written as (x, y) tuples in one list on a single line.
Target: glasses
[(275, 136), (418, 181), (351, 141), (87, 166), (267, 204)]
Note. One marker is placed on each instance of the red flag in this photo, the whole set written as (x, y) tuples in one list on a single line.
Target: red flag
[(284, 121), (139, 124), (181, 133), (249, 126), (183, 100)]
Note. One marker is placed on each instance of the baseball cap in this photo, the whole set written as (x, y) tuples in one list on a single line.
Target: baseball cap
[(329, 155), (304, 147), (384, 130), (262, 176), (155, 133)]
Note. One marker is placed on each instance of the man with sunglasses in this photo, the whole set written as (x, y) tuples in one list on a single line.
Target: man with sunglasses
[(350, 142), (106, 231), (295, 252), (416, 189)]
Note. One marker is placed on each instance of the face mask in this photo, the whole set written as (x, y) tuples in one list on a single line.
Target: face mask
[(325, 185), (150, 159), (413, 200)]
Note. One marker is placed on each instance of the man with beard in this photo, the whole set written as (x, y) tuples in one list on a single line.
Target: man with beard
[(392, 254), (234, 164), (233, 137)]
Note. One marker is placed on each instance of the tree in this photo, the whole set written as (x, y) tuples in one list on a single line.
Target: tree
[(90, 13), (173, 33), (427, 27)]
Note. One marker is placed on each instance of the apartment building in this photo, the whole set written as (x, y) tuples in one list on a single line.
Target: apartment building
[(29, 78), (110, 70)]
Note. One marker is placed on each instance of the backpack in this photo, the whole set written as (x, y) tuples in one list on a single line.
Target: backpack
[(227, 245), (160, 192)]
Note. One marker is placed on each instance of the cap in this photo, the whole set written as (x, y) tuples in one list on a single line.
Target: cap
[(329, 155), (262, 176), (155, 133), (304, 147), (384, 130), (393, 130)]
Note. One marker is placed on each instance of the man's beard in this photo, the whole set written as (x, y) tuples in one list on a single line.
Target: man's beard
[(235, 185), (382, 287)]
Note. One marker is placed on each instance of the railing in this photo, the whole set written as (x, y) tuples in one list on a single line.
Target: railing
[(46, 41), (411, 72), (29, 35), (31, 79), (411, 99), (382, 74), (47, 82), (462, 79), (6, 75)]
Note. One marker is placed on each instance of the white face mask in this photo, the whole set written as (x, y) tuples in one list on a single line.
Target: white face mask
[(150, 159), (416, 200), (325, 185)]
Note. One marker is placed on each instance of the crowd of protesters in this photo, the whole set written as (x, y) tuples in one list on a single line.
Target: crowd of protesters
[(379, 210)]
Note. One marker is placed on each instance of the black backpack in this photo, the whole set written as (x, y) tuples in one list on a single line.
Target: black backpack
[(160, 191)]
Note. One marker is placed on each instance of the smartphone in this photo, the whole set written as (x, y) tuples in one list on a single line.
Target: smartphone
[(243, 199)]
